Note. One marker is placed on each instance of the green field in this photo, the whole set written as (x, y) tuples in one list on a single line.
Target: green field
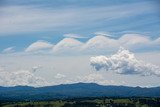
[(89, 102)]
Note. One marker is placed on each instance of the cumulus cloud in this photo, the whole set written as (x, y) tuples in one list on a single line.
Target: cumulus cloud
[(39, 46), (124, 62), (9, 50), (71, 35), (20, 77)]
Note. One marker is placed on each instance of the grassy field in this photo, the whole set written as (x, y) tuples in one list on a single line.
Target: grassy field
[(89, 102)]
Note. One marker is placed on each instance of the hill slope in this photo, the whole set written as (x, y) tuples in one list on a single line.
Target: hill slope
[(74, 90)]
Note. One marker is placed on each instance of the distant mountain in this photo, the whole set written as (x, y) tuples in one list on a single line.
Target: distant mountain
[(25, 93)]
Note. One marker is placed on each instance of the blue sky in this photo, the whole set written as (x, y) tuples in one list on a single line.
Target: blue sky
[(24, 22), (109, 42)]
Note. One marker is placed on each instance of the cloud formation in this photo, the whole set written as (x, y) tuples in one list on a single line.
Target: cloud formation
[(68, 17), (67, 46), (39, 46), (20, 77), (124, 62), (36, 68), (135, 41), (71, 35), (99, 44), (59, 76), (101, 33), (99, 78), (9, 50)]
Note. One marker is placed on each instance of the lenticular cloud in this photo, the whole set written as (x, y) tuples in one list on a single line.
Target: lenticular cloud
[(124, 62)]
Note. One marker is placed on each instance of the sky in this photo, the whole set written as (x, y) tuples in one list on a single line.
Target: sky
[(67, 41)]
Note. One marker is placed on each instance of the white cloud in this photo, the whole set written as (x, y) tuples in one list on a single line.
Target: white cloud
[(134, 42), (124, 62), (36, 68), (157, 41), (20, 77), (137, 42), (131, 39), (95, 78), (39, 46), (75, 68), (26, 18), (98, 78), (9, 50), (59, 76), (71, 35), (102, 33), (67, 46), (100, 44)]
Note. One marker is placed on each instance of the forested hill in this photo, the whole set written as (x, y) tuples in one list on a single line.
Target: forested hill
[(77, 90)]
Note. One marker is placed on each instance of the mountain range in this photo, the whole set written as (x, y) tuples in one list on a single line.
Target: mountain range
[(77, 90)]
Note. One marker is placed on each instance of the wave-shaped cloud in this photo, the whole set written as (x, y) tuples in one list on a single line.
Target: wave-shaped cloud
[(39, 46), (71, 35), (124, 62), (9, 50), (67, 46), (99, 44)]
